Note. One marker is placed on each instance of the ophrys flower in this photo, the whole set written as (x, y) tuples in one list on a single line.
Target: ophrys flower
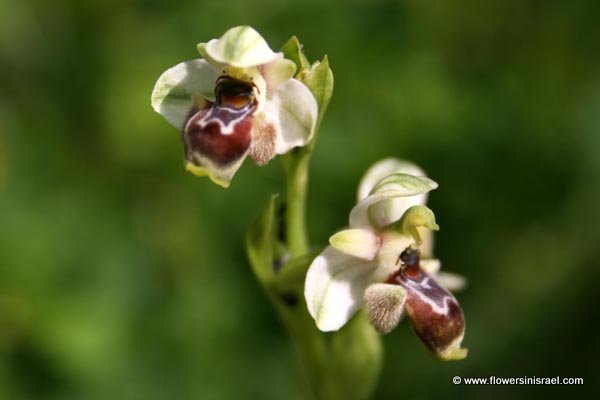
[(376, 261), (240, 99)]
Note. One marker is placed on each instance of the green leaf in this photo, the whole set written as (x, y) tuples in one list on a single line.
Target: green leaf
[(320, 82), (261, 243), (292, 50)]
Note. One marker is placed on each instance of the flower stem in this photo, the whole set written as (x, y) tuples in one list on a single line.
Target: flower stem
[(296, 168), (341, 365)]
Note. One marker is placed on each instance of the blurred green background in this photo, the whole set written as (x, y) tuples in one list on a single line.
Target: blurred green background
[(122, 277)]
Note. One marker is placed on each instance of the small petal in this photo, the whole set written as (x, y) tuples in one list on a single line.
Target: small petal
[(334, 288), (240, 47), (291, 111), (385, 305), (391, 187), (173, 93), (431, 266), (277, 72), (361, 243), (450, 281)]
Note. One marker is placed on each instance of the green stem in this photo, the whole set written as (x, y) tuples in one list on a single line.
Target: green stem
[(341, 365), (296, 168)]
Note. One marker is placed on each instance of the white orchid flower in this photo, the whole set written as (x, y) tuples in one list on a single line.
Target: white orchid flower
[(376, 261), (240, 99)]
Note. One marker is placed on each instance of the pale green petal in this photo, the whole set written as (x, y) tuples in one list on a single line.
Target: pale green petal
[(175, 89), (292, 112), (391, 187), (361, 243), (389, 211), (240, 47), (334, 288), (277, 72)]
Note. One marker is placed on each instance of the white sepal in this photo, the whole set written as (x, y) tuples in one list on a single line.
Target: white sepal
[(174, 91), (334, 288), (295, 109)]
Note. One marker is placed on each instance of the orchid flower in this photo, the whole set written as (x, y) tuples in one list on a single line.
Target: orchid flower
[(377, 262), (240, 99)]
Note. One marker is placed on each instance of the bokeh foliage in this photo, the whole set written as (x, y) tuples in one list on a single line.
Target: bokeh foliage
[(122, 277)]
